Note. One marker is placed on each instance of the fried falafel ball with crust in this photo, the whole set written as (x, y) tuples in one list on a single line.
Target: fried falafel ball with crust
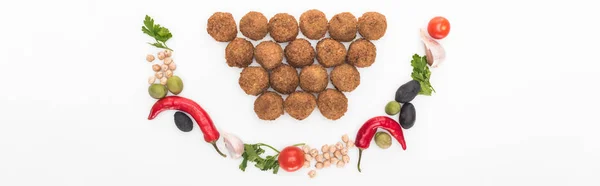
[(254, 80), (268, 54), (361, 53), (372, 25), (221, 27), (254, 25), (313, 24), (239, 53), (299, 53), (332, 104), (345, 77), (300, 104), (343, 27), (268, 106), (284, 79), (283, 27), (330, 52), (313, 78)]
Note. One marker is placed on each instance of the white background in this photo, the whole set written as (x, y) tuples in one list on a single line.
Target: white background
[(516, 100)]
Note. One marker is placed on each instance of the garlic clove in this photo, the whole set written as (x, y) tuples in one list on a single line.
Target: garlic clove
[(234, 145), (435, 53)]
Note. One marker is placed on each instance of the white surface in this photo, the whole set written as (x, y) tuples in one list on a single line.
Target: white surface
[(516, 100)]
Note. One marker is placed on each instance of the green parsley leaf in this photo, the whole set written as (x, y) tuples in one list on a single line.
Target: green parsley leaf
[(422, 74), (252, 153), (244, 163), (159, 33)]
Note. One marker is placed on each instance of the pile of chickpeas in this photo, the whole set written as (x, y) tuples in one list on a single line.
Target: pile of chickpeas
[(164, 67), (329, 155)]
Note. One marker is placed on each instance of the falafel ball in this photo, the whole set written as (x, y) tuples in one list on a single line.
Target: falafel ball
[(313, 78), (268, 54), (372, 25), (239, 53), (254, 80), (283, 27), (254, 25), (268, 106), (345, 77), (221, 26), (342, 27), (299, 53), (313, 24), (330, 52), (300, 104), (332, 104), (361, 53), (284, 79)]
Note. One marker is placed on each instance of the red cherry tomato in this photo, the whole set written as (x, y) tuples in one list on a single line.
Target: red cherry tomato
[(291, 158), (438, 27)]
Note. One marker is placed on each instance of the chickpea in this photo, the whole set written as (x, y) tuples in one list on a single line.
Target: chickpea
[(338, 154), (340, 164), (325, 148), (306, 149), (339, 146), (161, 55), (332, 148), (350, 144), (312, 173), (346, 159), (149, 58), (159, 75), (326, 164), (314, 152), (333, 160), (344, 151), (168, 53), (168, 60), (319, 158), (151, 80), (307, 157), (326, 156), (169, 73), (172, 66), (163, 81), (306, 164), (319, 165), (156, 67), (164, 67), (345, 138)]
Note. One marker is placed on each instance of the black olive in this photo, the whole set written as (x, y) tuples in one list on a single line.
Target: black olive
[(183, 122), (408, 115), (408, 91)]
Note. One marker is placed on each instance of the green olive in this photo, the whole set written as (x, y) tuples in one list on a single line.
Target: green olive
[(157, 91), (383, 140), (175, 85), (392, 108)]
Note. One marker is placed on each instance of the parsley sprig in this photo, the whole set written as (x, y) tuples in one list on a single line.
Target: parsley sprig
[(422, 74), (253, 152), (159, 33)]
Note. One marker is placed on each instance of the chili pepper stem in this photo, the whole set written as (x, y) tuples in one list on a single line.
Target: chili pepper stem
[(359, 158), (214, 144)]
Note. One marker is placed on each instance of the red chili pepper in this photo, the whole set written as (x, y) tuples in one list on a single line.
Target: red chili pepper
[(367, 131), (211, 135)]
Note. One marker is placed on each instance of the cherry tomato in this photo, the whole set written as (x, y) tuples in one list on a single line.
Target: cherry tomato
[(438, 27), (291, 158)]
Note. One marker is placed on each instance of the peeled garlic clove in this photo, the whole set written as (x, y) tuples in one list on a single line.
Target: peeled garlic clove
[(435, 53), (234, 145)]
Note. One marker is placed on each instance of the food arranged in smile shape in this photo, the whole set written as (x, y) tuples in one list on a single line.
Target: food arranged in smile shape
[(299, 84)]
